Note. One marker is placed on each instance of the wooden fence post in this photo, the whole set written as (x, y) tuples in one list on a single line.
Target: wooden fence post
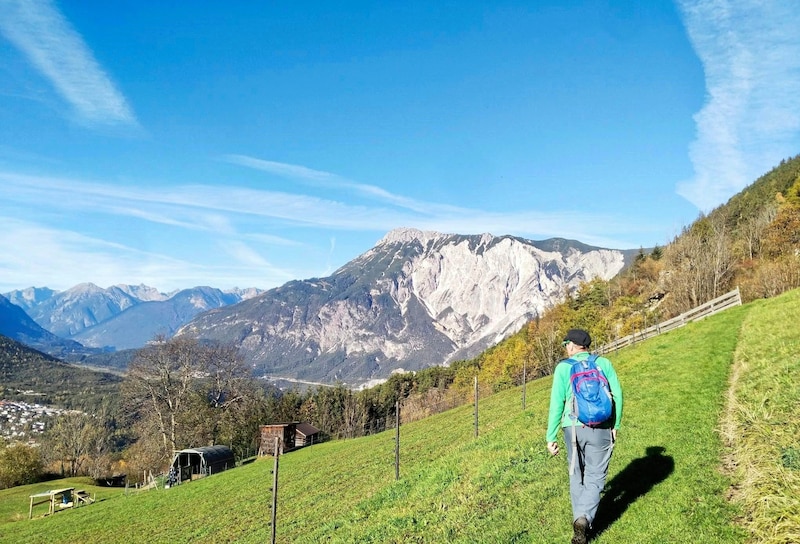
[(397, 440), (476, 406), (524, 380), (275, 488)]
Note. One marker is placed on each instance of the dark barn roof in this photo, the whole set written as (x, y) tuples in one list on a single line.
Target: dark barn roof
[(211, 454), (306, 429), (204, 461)]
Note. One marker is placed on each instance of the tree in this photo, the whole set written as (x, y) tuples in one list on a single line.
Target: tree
[(20, 464), (158, 385), (187, 392), (72, 439), (782, 236), (220, 397), (752, 229), (657, 253), (700, 263)]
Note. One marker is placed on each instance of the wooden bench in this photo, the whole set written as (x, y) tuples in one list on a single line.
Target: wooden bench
[(83, 497)]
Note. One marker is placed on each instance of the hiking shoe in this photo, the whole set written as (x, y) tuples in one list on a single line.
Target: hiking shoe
[(580, 528)]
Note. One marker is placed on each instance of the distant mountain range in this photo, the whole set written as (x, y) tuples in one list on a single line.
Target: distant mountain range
[(17, 325), (118, 318), (414, 300)]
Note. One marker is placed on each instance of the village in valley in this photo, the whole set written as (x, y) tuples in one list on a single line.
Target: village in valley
[(20, 421)]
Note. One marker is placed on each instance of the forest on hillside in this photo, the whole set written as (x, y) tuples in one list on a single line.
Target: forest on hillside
[(179, 393)]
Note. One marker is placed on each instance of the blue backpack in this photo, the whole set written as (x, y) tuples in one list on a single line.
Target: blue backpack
[(591, 404)]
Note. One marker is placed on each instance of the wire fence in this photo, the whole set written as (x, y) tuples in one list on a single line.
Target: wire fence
[(437, 400)]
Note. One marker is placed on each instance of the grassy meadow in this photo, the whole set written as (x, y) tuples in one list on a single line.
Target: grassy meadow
[(708, 453)]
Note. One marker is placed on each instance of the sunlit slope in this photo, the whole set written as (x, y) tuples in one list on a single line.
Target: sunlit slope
[(762, 426), (665, 483)]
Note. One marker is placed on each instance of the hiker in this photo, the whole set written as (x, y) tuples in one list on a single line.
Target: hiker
[(589, 439)]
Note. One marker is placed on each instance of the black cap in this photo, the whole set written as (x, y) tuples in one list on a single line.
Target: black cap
[(579, 337)]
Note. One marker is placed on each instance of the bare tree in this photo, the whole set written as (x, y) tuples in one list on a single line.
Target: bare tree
[(190, 393), (159, 384), (72, 439), (545, 337), (701, 264), (223, 397), (752, 230)]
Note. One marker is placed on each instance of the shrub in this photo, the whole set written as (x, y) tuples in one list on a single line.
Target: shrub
[(19, 464)]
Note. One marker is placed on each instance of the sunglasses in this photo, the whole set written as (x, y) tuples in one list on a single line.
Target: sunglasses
[(565, 342)]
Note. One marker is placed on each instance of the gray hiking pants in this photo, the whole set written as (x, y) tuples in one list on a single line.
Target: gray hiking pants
[(594, 448)]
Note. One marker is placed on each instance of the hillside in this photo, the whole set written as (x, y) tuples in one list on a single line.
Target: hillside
[(32, 376), (665, 483), (17, 325)]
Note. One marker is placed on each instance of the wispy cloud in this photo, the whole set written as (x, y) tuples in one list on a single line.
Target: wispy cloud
[(398, 210), (48, 249), (218, 209), (751, 119), (226, 231), (79, 258), (286, 170), (327, 179), (47, 39)]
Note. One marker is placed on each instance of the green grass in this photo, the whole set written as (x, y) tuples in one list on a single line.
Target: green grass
[(666, 483), (762, 425), (15, 502)]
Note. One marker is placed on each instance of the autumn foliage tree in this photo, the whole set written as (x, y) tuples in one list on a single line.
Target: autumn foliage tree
[(19, 464)]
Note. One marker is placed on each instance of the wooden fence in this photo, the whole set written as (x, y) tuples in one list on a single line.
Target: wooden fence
[(728, 300)]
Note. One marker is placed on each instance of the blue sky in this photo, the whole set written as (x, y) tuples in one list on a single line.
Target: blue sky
[(244, 144)]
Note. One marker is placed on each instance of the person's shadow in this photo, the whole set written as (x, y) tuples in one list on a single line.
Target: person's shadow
[(633, 482)]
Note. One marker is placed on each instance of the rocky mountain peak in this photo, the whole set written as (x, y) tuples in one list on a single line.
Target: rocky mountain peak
[(404, 235), (417, 298)]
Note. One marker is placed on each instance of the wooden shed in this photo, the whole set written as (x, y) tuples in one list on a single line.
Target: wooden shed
[(305, 435), (283, 431), (193, 463), (291, 435)]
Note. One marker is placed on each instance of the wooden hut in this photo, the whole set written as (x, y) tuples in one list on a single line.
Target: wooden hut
[(305, 435), (283, 431), (290, 436), (193, 463)]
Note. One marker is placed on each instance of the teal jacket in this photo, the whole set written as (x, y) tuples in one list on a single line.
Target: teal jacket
[(561, 395)]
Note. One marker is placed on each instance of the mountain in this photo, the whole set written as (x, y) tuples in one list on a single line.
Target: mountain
[(137, 325), (17, 325), (30, 375), (69, 312), (120, 317), (30, 297), (414, 300)]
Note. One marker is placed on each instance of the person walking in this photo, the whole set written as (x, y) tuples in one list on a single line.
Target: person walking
[(588, 445)]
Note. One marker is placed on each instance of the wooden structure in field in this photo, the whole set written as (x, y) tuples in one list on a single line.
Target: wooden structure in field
[(290, 436), (59, 499)]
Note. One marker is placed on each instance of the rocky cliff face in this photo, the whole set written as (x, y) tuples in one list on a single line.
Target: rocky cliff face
[(414, 300)]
